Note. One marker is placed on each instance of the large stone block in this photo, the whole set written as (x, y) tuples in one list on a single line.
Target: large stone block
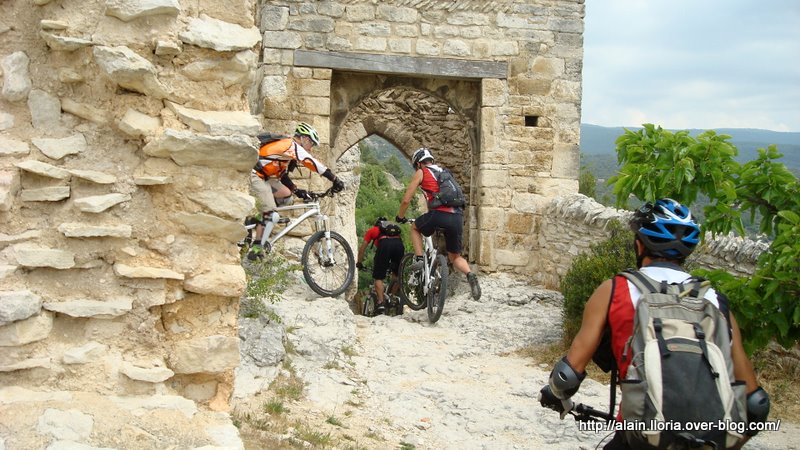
[(219, 35), (16, 78), (212, 354), (26, 331), (18, 305), (127, 10), (129, 70), (222, 280), (187, 149)]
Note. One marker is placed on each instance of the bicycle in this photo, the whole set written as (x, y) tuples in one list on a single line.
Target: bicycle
[(327, 259), (428, 288), (393, 303)]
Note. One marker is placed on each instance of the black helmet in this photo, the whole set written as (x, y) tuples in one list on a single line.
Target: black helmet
[(380, 219), (421, 154), (666, 229)]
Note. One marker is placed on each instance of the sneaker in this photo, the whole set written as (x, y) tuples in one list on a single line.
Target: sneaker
[(256, 252), (380, 308), (474, 286)]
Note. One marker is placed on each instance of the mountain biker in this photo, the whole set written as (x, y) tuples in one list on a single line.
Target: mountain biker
[(665, 235), (389, 249), (446, 217), (269, 179)]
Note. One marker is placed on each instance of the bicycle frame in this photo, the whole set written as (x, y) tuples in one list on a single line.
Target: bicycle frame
[(428, 255), (313, 210)]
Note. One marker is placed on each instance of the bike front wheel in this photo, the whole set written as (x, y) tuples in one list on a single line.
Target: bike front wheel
[(438, 289), (410, 284), (328, 264)]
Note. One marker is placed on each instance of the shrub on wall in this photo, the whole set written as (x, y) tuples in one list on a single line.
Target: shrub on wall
[(591, 268)]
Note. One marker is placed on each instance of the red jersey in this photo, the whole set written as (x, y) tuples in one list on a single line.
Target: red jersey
[(430, 186), (373, 235)]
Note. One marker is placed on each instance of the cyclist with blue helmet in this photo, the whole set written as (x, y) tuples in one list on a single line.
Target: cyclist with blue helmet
[(665, 235)]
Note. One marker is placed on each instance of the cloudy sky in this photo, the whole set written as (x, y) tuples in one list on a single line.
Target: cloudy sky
[(692, 64)]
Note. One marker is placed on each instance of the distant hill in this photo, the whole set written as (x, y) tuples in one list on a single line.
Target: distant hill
[(598, 149)]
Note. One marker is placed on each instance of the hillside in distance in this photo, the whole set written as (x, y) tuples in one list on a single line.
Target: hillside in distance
[(598, 149)]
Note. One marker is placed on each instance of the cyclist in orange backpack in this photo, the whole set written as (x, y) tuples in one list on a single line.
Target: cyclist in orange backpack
[(269, 179)]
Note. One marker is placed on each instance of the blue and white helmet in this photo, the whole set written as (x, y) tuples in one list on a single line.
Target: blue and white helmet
[(666, 228)]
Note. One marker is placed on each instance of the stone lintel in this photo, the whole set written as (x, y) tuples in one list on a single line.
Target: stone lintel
[(405, 65)]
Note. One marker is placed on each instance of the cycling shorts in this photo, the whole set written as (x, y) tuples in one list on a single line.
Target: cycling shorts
[(387, 257), (451, 223)]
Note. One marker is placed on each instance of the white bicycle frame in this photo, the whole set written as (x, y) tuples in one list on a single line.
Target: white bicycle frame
[(429, 253), (321, 222)]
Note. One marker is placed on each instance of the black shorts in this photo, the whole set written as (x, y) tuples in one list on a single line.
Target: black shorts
[(451, 223), (387, 257)]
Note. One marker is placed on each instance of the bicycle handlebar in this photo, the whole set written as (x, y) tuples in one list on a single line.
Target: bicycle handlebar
[(585, 413), (313, 196)]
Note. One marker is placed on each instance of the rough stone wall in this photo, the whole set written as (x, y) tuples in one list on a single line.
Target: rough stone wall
[(519, 145), (125, 143), (571, 224)]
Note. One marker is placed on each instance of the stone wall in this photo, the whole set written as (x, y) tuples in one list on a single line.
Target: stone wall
[(503, 79), (569, 225), (125, 143)]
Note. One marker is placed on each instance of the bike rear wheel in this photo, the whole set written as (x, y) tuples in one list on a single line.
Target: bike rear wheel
[(328, 264), (410, 284), (438, 288)]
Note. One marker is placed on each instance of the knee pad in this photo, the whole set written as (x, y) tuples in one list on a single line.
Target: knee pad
[(564, 380)]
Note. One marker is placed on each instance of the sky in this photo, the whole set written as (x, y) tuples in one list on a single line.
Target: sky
[(692, 63)]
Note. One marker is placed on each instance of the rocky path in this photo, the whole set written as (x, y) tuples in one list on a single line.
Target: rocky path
[(398, 382)]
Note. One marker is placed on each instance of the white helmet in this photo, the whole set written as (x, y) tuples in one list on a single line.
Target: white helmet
[(422, 154)]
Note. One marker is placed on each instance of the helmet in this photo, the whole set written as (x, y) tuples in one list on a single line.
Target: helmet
[(304, 129), (420, 155), (666, 229), (379, 220)]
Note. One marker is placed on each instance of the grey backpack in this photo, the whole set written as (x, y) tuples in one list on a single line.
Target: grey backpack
[(680, 386)]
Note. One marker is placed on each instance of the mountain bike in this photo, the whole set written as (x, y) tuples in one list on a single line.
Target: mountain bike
[(392, 302), (428, 287), (327, 259)]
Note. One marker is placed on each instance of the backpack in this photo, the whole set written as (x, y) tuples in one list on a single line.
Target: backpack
[(272, 152), (388, 229), (680, 384), (450, 192)]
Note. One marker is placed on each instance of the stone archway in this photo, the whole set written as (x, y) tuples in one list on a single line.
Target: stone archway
[(409, 118)]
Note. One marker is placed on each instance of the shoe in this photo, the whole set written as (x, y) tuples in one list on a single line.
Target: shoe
[(474, 286), (380, 308), (256, 252)]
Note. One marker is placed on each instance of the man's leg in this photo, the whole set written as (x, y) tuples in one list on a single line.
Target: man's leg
[(453, 240), (278, 191), (416, 240), (379, 291)]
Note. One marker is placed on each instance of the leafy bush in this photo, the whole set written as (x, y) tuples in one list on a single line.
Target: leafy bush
[(658, 163), (266, 280), (589, 270)]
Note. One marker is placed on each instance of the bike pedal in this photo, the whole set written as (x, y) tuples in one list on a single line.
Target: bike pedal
[(284, 220)]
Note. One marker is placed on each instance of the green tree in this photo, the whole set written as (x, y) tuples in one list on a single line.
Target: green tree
[(587, 183), (657, 163)]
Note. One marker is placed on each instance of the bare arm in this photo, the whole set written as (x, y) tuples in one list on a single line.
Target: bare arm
[(742, 367), (361, 251), (416, 180), (592, 325)]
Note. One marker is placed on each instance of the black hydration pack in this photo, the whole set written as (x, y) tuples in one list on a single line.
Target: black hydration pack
[(450, 192), (388, 229)]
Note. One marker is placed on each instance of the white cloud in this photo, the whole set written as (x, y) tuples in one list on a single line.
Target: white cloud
[(687, 64)]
